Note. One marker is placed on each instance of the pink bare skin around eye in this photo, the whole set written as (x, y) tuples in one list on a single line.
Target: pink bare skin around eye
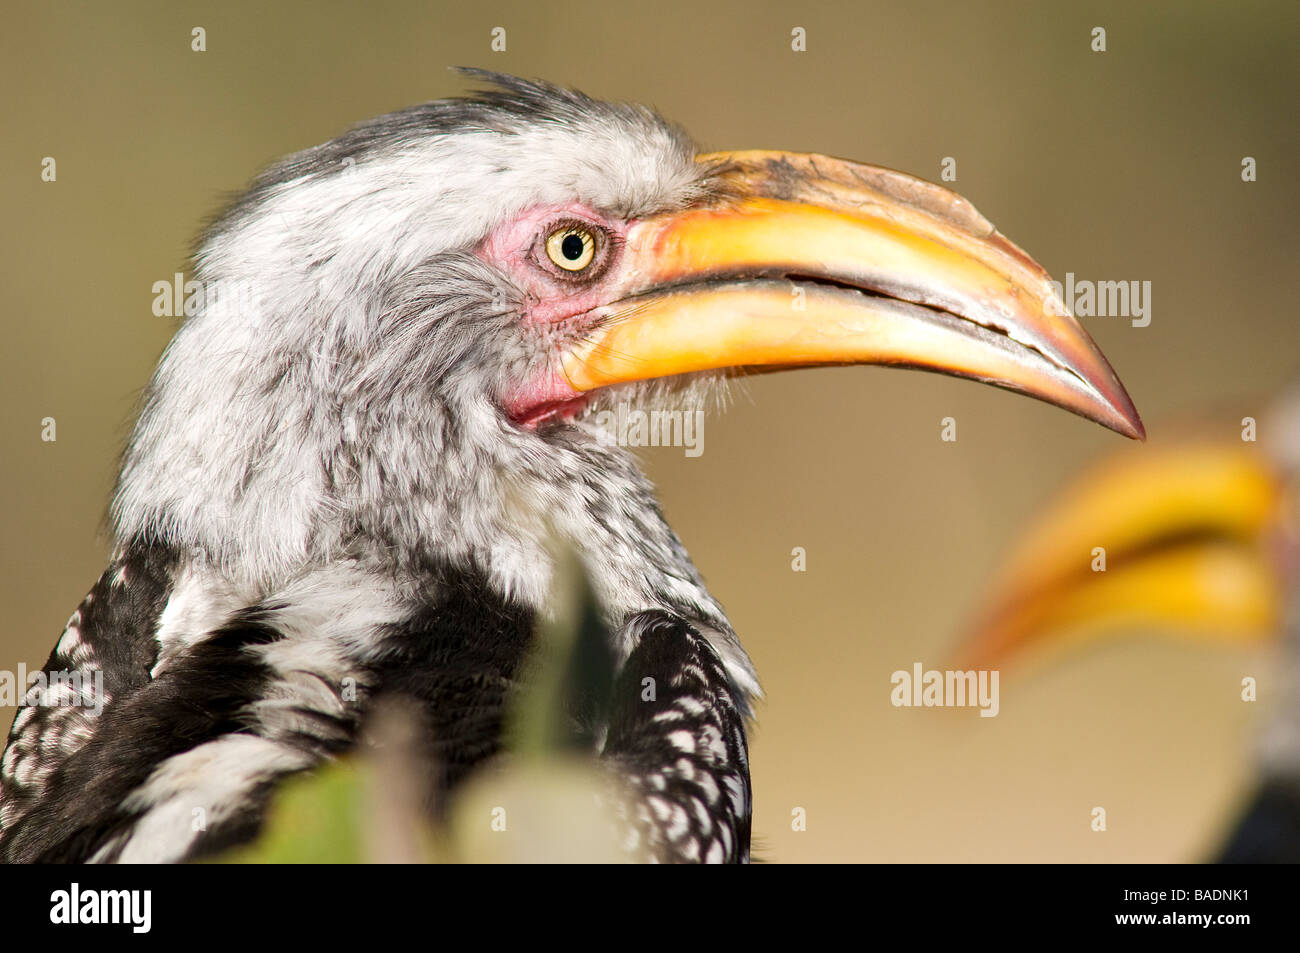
[(514, 248)]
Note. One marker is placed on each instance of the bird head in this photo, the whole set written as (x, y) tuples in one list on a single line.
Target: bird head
[(407, 327)]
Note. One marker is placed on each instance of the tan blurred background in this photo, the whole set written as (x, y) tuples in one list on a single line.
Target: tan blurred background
[(1116, 165)]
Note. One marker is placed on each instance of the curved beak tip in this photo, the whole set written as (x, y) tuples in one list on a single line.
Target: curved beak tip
[(1132, 425)]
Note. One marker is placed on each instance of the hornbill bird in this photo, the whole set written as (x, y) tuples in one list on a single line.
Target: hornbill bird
[(1201, 540), (354, 458)]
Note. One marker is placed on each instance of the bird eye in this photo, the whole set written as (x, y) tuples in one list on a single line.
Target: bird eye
[(571, 247)]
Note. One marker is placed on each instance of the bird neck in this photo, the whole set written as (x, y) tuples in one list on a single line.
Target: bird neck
[(260, 510)]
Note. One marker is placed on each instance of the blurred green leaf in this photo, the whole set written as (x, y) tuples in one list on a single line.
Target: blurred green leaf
[(313, 819)]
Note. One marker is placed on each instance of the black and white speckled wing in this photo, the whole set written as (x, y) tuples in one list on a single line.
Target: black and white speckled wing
[(677, 734), (181, 764), (105, 653)]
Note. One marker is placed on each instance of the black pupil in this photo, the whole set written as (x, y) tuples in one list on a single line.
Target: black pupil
[(572, 246)]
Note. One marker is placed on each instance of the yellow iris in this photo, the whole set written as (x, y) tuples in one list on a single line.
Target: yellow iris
[(571, 247)]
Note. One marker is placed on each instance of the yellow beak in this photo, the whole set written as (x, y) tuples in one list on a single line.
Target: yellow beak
[(809, 260), (1175, 540)]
